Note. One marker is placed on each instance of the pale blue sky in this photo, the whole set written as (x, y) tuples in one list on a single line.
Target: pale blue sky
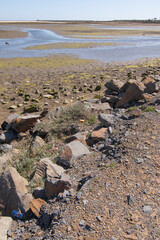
[(78, 9)]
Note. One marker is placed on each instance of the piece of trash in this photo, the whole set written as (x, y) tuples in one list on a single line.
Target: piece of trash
[(17, 214)]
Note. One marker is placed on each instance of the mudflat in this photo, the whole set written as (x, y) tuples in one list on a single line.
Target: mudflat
[(88, 29)]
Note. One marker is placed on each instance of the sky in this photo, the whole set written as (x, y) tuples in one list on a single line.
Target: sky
[(78, 9)]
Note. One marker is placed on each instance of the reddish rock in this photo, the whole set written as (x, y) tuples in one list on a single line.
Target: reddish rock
[(135, 113), (53, 186), (97, 136), (133, 93), (36, 205), (147, 97)]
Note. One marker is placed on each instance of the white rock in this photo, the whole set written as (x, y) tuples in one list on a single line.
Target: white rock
[(5, 223)]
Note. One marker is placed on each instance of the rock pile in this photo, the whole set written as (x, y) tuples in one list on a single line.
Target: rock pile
[(47, 202)]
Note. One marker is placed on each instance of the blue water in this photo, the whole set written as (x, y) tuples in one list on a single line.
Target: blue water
[(132, 48)]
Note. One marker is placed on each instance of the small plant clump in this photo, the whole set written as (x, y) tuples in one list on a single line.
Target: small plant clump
[(32, 108), (26, 163), (150, 109), (131, 108), (66, 120)]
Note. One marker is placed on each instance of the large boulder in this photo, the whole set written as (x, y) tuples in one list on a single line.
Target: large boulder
[(13, 192), (72, 151), (133, 93)]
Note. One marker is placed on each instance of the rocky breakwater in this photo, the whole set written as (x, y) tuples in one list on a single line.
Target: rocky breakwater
[(61, 154)]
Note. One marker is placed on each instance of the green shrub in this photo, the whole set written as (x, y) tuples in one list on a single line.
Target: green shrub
[(150, 109)]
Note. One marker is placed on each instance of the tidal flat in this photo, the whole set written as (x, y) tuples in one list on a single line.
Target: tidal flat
[(101, 41)]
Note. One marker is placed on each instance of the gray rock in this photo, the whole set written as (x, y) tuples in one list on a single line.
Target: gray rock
[(130, 199), (36, 144), (157, 86), (7, 136), (47, 168), (78, 149), (71, 152), (139, 160), (147, 209), (106, 119), (79, 194), (5, 223)]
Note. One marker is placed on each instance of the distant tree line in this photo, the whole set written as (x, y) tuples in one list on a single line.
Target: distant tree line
[(153, 20)]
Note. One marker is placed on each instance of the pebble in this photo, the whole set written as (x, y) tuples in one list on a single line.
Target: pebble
[(63, 222), (110, 130), (139, 160), (99, 218), (82, 223), (65, 193), (85, 202), (147, 209), (79, 194), (130, 199)]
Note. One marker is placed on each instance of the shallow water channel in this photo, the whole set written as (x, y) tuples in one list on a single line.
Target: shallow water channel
[(129, 47)]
